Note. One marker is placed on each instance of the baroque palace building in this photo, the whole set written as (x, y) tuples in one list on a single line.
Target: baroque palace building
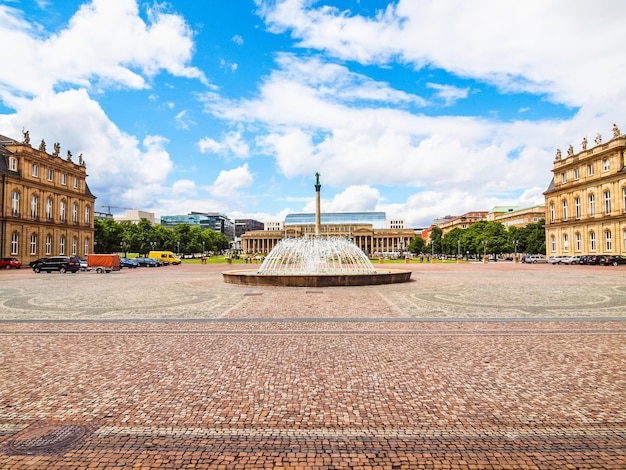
[(586, 200), (46, 207)]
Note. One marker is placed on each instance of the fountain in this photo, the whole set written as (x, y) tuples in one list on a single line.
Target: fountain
[(316, 261)]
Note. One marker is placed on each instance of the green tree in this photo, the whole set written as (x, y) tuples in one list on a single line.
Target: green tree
[(436, 235), (107, 236), (417, 245)]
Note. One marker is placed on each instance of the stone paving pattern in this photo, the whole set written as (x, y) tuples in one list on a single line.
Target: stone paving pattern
[(471, 366)]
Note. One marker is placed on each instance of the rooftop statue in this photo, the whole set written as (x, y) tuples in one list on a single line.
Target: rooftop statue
[(558, 154), (26, 137), (584, 143), (616, 131), (570, 151), (598, 139), (57, 149), (69, 156), (42, 145)]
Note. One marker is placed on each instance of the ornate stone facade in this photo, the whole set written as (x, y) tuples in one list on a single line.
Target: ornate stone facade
[(46, 207), (586, 200)]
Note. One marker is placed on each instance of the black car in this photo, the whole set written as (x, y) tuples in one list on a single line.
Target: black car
[(613, 260), (593, 259), (57, 263)]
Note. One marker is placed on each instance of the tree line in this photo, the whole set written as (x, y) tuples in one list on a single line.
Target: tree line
[(483, 238), (114, 237)]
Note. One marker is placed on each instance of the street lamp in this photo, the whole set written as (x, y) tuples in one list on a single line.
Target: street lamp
[(178, 245), (484, 248), (515, 242), (458, 249)]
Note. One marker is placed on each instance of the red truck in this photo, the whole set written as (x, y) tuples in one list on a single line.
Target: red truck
[(103, 263)]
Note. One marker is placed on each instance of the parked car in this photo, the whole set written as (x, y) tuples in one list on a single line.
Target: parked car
[(613, 260), (593, 259), (128, 263), (149, 262), (570, 260), (8, 263), (534, 259), (556, 259), (583, 259), (62, 264)]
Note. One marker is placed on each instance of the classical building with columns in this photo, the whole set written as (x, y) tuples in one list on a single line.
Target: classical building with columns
[(46, 207), (586, 200), (368, 230)]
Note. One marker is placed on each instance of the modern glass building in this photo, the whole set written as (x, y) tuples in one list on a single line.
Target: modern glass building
[(378, 220), (214, 221)]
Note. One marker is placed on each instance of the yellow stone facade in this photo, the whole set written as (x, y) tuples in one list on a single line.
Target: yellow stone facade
[(375, 242), (46, 207), (586, 201)]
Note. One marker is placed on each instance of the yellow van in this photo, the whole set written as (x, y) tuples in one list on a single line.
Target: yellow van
[(166, 256)]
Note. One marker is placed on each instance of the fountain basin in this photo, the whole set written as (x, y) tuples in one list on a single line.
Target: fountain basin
[(253, 278)]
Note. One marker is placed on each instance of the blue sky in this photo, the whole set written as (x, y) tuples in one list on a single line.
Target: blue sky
[(416, 108)]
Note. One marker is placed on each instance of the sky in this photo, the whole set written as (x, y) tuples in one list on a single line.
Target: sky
[(418, 108)]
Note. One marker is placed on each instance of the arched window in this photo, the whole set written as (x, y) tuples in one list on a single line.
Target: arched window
[(62, 245), (34, 203), (608, 243), (33, 244), (577, 208), (63, 212), (86, 246), (579, 241), (592, 240), (74, 246), (564, 209), (75, 214), (49, 215), (553, 242), (15, 243), (607, 202), (552, 213), (565, 242), (87, 216), (48, 245), (592, 205), (15, 204)]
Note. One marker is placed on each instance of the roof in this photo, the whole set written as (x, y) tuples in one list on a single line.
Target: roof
[(377, 219)]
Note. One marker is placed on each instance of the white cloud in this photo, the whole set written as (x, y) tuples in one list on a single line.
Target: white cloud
[(448, 93), (237, 39), (121, 170), (86, 52), (231, 144), (184, 187), (229, 183), (360, 198), (515, 46)]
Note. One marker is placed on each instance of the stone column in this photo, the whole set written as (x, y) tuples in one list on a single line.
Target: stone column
[(318, 217)]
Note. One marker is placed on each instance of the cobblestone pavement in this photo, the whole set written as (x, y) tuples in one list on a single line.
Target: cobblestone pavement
[(475, 366)]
